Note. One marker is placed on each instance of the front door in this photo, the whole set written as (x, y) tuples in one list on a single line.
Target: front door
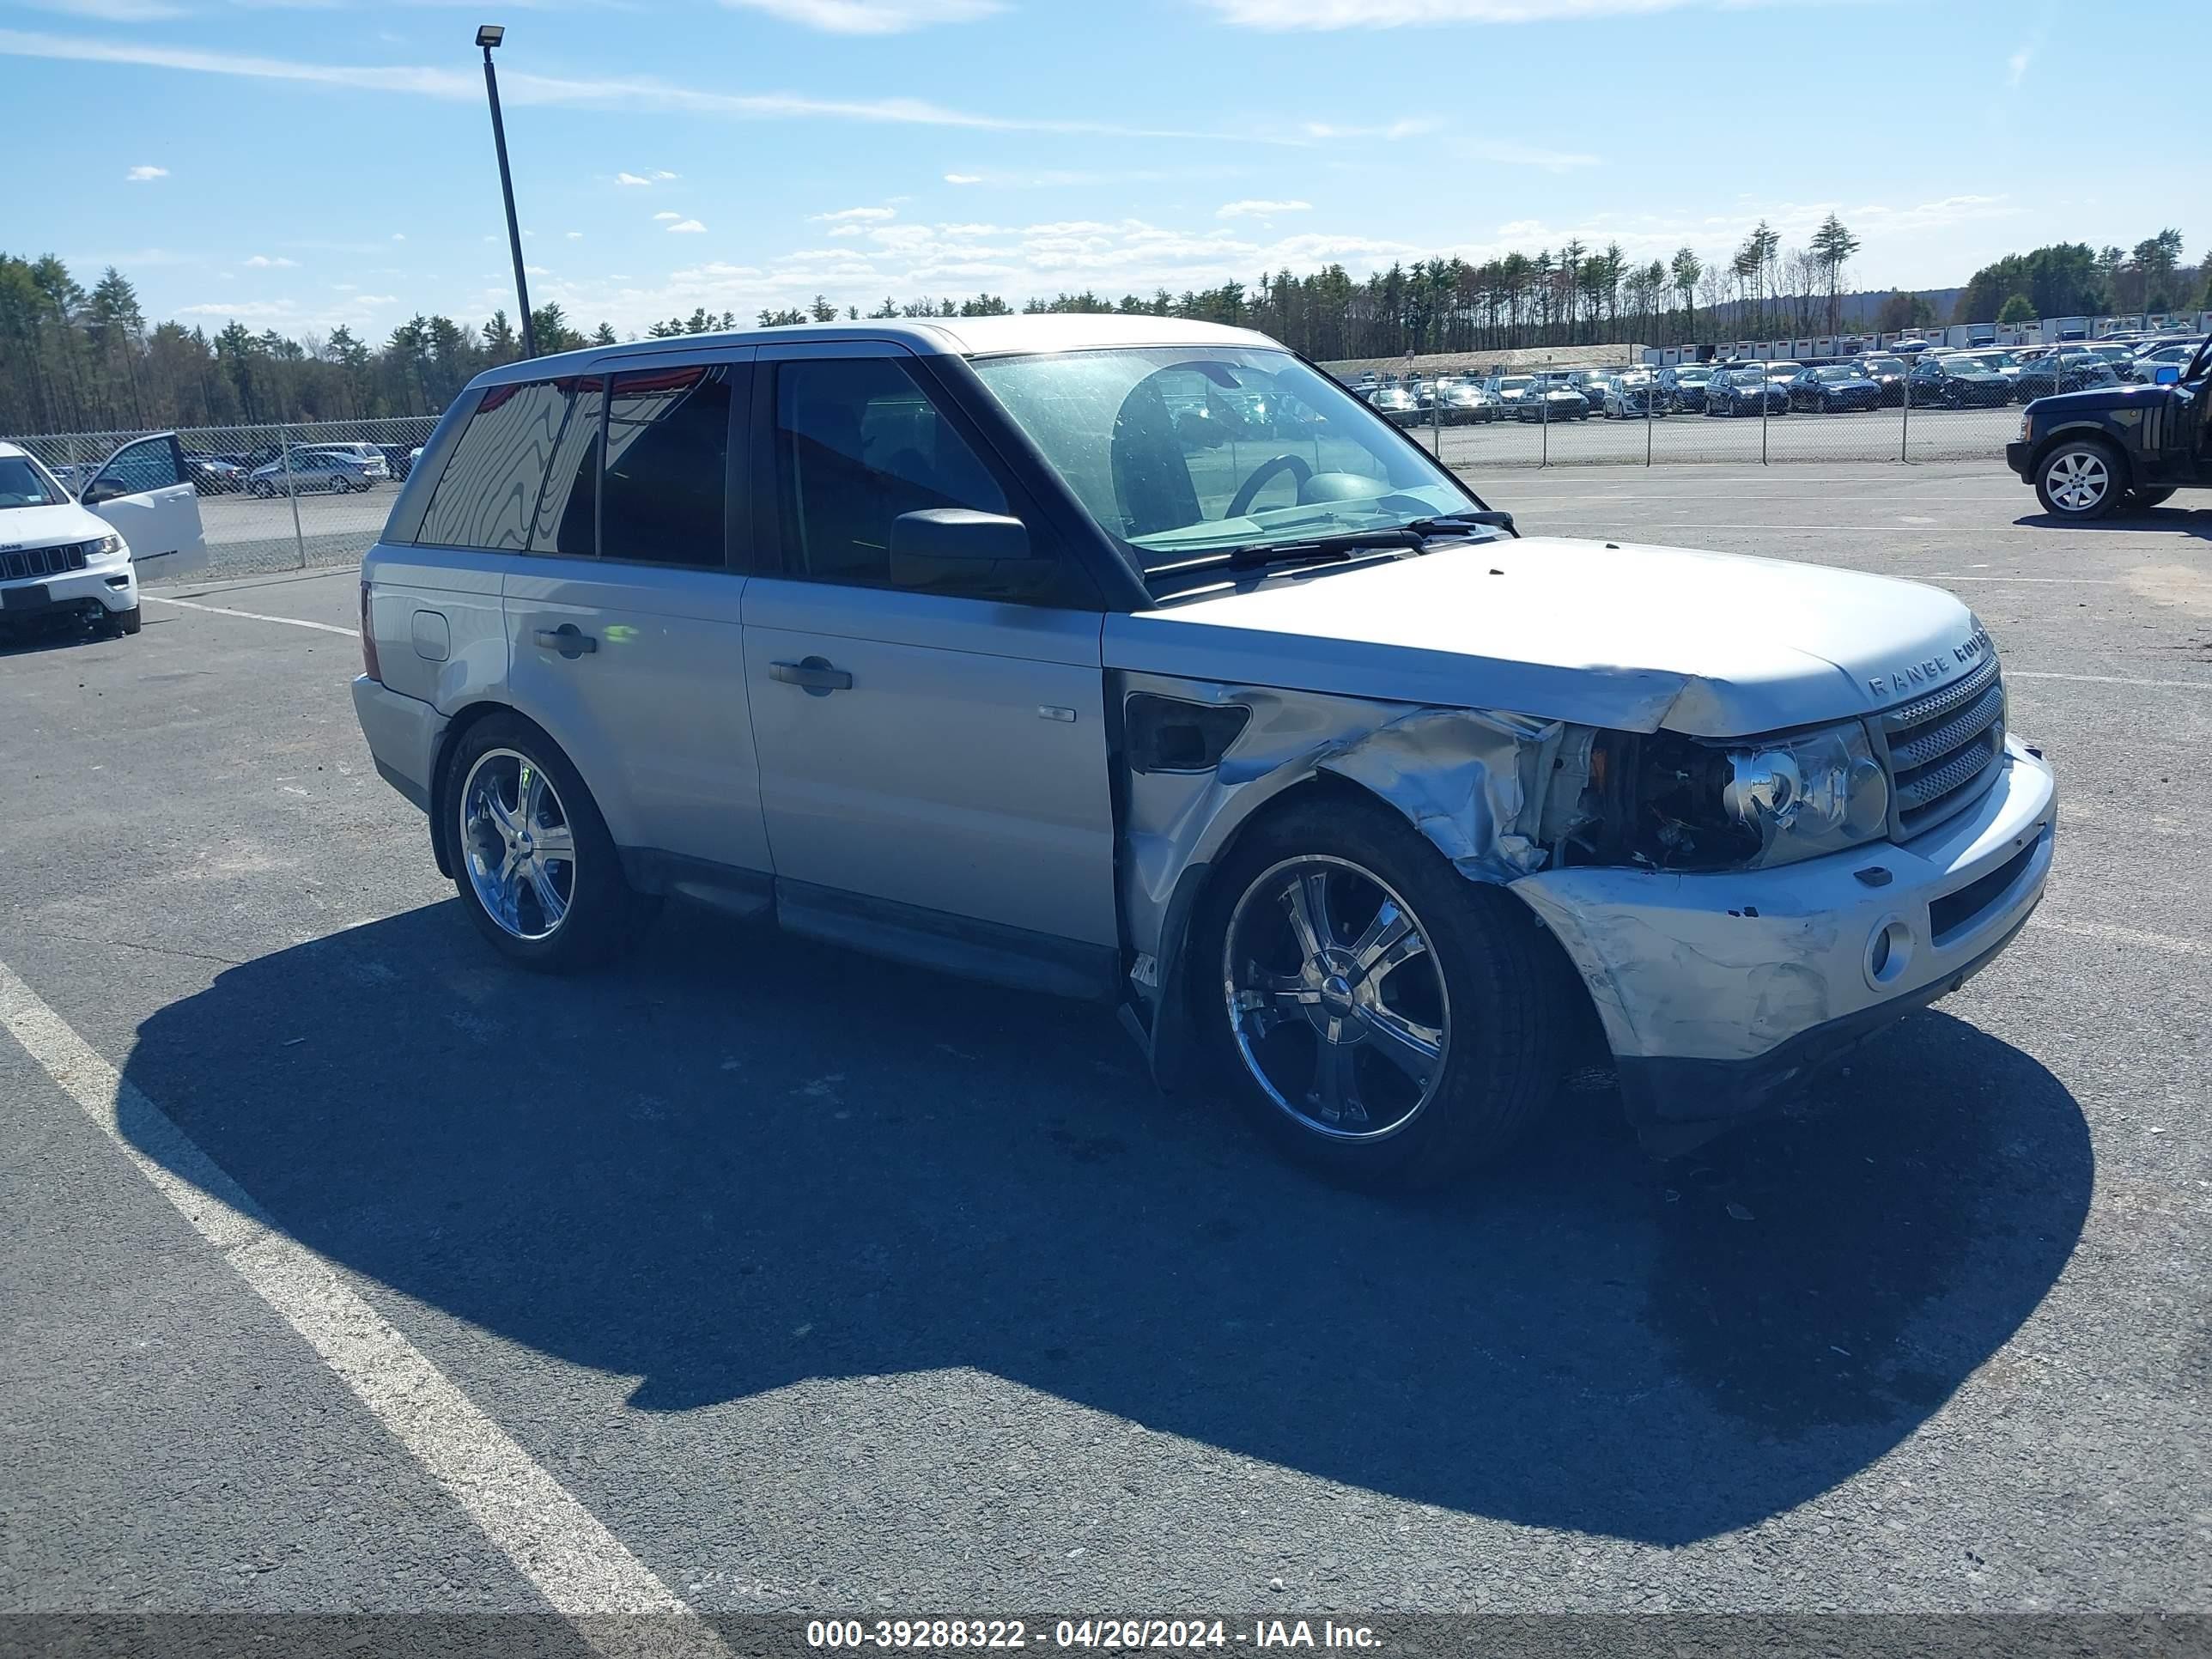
[(930, 756), (143, 491)]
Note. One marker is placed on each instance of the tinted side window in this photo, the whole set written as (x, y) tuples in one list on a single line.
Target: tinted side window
[(858, 442), (490, 489), (149, 464), (568, 511), (668, 445)]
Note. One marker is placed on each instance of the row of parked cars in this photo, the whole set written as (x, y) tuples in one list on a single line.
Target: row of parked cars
[(322, 469), (1979, 378)]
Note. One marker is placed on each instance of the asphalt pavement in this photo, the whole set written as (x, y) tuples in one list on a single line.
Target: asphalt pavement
[(816, 1283)]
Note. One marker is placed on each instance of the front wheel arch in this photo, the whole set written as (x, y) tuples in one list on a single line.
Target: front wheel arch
[(2074, 433), (1178, 1014)]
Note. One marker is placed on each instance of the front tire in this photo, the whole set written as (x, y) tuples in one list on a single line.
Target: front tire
[(2080, 479), (533, 862), (126, 623), (1389, 1023)]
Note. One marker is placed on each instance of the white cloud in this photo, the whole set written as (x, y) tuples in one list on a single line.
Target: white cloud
[(143, 174), (850, 230), (1407, 127), (575, 235), (378, 299), (849, 216), (535, 271), (399, 235), (963, 177), (631, 179), (250, 310), (664, 214), (263, 262), (628, 95), (113, 11), (2016, 66), (1280, 14), (659, 173), (1260, 210), (871, 16), (687, 225)]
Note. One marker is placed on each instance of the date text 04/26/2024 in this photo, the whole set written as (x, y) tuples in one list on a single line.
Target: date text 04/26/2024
[(1104, 1634)]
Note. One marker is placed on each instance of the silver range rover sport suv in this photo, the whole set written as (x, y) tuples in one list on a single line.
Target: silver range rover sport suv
[(948, 641)]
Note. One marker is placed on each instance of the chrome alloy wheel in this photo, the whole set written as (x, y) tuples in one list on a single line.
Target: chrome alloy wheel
[(1335, 999), (2078, 479), (516, 839)]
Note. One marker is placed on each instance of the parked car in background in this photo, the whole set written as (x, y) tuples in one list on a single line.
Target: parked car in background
[(1552, 397), (1334, 788), (1741, 390), (1783, 372), (399, 458), (1952, 380), (2120, 355), (1887, 373), (2063, 369), (1834, 389), (1633, 396), (1509, 389), (1911, 348), (1684, 385), (2089, 453), (2153, 354), (1998, 361), (375, 466), (309, 471), (80, 556), (213, 475), (1467, 403), (1395, 405)]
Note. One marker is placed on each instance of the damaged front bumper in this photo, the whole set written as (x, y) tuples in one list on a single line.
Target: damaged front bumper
[(1720, 993)]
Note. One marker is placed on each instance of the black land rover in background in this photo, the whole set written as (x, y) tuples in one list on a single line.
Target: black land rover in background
[(2087, 452)]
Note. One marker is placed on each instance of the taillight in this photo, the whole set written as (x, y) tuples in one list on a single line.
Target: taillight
[(369, 666)]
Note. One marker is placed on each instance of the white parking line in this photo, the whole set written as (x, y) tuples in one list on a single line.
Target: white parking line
[(615, 1601), (2111, 679), (2110, 935), (254, 616)]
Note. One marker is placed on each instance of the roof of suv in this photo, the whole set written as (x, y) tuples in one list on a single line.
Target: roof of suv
[(935, 336)]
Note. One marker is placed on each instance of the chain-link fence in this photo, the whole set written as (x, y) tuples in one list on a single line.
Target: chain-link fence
[(281, 497), (1769, 413)]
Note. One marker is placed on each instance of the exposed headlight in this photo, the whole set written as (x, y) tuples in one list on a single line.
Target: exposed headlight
[(1809, 795), (105, 548), (2023, 426)]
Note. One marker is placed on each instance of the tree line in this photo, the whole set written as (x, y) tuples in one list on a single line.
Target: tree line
[(73, 359)]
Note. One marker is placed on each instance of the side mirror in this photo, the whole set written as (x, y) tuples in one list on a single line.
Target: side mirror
[(2166, 374), (959, 547)]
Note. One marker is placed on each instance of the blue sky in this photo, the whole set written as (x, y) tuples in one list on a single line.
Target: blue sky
[(303, 163)]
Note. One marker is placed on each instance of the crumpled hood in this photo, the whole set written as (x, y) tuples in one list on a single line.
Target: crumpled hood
[(1631, 637), (48, 526)]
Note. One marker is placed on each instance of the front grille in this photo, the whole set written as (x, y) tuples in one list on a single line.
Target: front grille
[(1942, 750), (25, 563)]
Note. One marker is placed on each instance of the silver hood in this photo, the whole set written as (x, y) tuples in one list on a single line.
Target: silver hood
[(1630, 637)]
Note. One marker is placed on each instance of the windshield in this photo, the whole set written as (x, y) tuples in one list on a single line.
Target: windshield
[(1839, 372), (23, 483), (1885, 365), (1693, 374), (1283, 452), (1515, 383)]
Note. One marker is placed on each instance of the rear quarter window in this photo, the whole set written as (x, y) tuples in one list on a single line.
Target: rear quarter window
[(487, 494)]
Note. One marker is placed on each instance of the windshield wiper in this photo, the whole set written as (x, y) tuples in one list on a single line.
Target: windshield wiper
[(1324, 548), (1447, 523)]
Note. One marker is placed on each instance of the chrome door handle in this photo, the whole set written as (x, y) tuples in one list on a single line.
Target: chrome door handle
[(569, 639), (814, 676)]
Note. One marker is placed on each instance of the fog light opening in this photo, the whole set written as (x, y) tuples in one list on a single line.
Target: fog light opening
[(1889, 952)]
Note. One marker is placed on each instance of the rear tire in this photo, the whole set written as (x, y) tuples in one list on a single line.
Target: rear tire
[(538, 792), (1317, 1040), (2080, 479)]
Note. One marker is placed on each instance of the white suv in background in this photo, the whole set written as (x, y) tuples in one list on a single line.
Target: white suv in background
[(63, 555)]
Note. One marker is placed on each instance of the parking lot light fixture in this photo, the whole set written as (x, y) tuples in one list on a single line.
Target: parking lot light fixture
[(487, 36)]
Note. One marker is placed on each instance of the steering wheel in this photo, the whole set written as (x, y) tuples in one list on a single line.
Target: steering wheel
[(1240, 503)]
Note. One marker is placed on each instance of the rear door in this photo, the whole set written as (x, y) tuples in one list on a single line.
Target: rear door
[(144, 491), (623, 618), (932, 757)]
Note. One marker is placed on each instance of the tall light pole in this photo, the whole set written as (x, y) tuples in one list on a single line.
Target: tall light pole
[(488, 37)]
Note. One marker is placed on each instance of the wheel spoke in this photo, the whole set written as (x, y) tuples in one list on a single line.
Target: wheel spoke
[(1404, 950), (1307, 901), (502, 815), (529, 796), (550, 905), (1412, 1048), (554, 842), (1381, 936), (1336, 1082)]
